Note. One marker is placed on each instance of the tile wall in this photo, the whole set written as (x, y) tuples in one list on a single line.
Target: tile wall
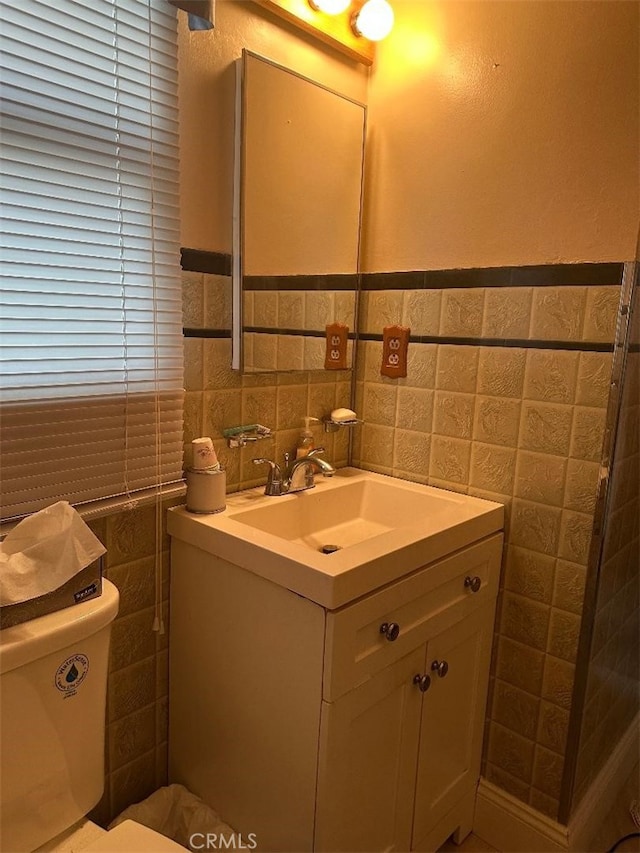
[(137, 696), (477, 413), (612, 698), (505, 399), (218, 397)]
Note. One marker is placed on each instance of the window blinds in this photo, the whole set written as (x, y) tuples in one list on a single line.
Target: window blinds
[(91, 342)]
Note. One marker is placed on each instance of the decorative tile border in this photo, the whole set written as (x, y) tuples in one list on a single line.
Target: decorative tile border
[(300, 282), (520, 343), (197, 260), (206, 333), (546, 275)]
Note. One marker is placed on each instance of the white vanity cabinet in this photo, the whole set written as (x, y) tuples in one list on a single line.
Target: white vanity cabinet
[(355, 729)]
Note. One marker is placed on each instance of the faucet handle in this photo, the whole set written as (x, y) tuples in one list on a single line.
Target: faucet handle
[(316, 451), (260, 460), (274, 479)]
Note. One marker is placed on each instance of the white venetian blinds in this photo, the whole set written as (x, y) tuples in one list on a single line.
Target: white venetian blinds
[(90, 346)]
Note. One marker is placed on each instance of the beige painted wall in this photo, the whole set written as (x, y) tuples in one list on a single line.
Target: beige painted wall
[(206, 93), (503, 133)]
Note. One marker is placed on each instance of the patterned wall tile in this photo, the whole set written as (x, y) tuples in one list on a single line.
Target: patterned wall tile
[(457, 368), (217, 302), (520, 664), (530, 574), (515, 709), (575, 536), (379, 404), (551, 376), (601, 313), (535, 526), (421, 366), (497, 421), (564, 630), (411, 452), (377, 447), (501, 372), (581, 485), (492, 468), (546, 428), (540, 477), (588, 433), (558, 313), (510, 752), (453, 414), (265, 308), (547, 771), (291, 309), (525, 621), (132, 688), (557, 683), (421, 311), (450, 459), (461, 314), (291, 401), (507, 312), (569, 585), (414, 409), (553, 727), (594, 378), (192, 299), (379, 309)]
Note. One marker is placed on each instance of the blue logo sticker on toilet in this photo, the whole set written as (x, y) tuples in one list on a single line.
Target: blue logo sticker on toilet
[(71, 673)]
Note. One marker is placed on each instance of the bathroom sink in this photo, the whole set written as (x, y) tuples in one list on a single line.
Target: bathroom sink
[(360, 510), (352, 533)]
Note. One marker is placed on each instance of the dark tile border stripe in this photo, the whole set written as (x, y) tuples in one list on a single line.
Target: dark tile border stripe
[(512, 343), (515, 343), (206, 333), (550, 275), (196, 260), (543, 275), (300, 282), (306, 333)]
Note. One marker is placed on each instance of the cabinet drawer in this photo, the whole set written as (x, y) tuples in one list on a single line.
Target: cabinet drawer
[(421, 606)]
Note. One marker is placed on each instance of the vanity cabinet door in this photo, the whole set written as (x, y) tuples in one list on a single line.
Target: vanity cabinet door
[(452, 719), (368, 753)]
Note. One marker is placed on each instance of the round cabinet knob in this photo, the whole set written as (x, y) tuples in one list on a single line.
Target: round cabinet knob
[(391, 630), (441, 667), (423, 682), (473, 583)]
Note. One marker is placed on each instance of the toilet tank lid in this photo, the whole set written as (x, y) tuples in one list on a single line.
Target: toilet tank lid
[(129, 836), (39, 637)]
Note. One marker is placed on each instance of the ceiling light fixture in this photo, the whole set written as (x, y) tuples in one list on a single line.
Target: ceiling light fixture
[(374, 21)]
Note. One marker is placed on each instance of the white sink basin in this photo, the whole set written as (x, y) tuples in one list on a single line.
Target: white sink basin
[(383, 528), (362, 509)]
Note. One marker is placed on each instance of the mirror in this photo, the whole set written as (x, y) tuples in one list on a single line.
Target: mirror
[(297, 203)]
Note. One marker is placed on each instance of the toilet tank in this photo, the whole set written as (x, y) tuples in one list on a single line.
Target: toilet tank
[(53, 683)]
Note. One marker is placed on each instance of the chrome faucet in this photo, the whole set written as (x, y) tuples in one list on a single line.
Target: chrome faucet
[(298, 476)]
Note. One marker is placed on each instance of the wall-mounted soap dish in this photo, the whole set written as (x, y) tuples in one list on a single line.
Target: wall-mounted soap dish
[(240, 436), (333, 426)]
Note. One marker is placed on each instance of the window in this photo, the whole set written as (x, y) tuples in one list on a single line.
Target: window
[(91, 346)]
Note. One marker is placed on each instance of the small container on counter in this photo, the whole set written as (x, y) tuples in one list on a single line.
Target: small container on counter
[(206, 489)]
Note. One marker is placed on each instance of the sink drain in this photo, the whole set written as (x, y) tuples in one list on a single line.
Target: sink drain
[(329, 549)]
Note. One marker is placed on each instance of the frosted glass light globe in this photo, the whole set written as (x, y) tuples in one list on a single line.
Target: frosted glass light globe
[(375, 20)]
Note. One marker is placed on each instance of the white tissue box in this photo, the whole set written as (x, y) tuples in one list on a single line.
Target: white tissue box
[(86, 584)]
